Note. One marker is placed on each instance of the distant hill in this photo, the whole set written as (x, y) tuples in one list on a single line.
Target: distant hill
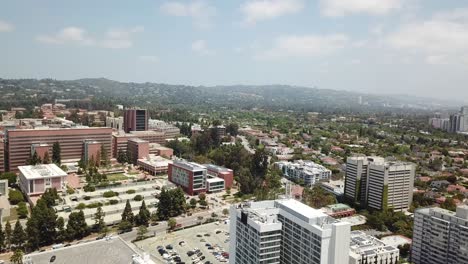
[(237, 96)]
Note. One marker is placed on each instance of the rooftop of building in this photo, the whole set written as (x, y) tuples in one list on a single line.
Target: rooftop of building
[(41, 171), (362, 244), (156, 161), (113, 250), (215, 179), (461, 213), (301, 209), (338, 207), (216, 168), (138, 140), (147, 133), (188, 165)]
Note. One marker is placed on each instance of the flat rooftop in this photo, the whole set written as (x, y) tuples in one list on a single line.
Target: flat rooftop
[(192, 166), (113, 251), (304, 210), (216, 168), (41, 171)]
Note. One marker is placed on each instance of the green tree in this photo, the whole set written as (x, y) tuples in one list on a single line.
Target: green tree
[(34, 159), (61, 231), (143, 216), (10, 176), (125, 226), (2, 239), (317, 198), (77, 227), (46, 159), (18, 237), (171, 203), (15, 196), (127, 214), (22, 210), (225, 211), (141, 233), (17, 257), (99, 223), (56, 153), (41, 226), (121, 156), (172, 223), (104, 156), (8, 232), (193, 202)]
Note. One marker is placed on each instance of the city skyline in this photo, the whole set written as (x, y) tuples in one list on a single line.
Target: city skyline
[(363, 46)]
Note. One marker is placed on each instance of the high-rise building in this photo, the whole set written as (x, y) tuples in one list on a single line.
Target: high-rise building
[(20, 142), (135, 120), (458, 122), (379, 184), (440, 236), (2, 153), (286, 231), (356, 178)]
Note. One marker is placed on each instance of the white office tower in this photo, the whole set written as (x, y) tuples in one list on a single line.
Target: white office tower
[(378, 184), (368, 249), (440, 236), (287, 232)]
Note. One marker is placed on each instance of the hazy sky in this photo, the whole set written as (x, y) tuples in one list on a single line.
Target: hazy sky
[(380, 46)]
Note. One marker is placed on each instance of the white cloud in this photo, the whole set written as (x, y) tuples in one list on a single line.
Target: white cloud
[(200, 47), (258, 10), (305, 46), (337, 8), (440, 39), (67, 35), (148, 58), (6, 27), (199, 11), (113, 39), (120, 38)]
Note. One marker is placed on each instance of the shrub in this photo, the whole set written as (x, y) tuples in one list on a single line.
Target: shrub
[(22, 210), (113, 201), (89, 188), (109, 194), (94, 205), (131, 191), (87, 198), (10, 176), (80, 206), (15, 197), (70, 190), (138, 197)]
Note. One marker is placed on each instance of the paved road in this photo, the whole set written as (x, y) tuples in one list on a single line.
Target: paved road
[(246, 144)]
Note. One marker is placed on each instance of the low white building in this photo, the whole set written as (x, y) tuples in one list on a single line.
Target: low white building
[(308, 171), (368, 249), (214, 184), (154, 164), (4, 203), (36, 179)]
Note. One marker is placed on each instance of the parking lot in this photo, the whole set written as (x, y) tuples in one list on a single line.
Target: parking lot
[(183, 241)]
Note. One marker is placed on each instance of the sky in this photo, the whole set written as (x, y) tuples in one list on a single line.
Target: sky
[(417, 47)]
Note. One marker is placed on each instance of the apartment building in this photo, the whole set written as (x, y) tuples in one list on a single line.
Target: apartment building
[(286, 231), (135, 120), (375, 183), (440, 236), (19, 142), (370, 250), (307, 171)]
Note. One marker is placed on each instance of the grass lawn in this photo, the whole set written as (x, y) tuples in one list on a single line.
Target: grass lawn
[(117, 177), (13, 215), (133, 172)]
